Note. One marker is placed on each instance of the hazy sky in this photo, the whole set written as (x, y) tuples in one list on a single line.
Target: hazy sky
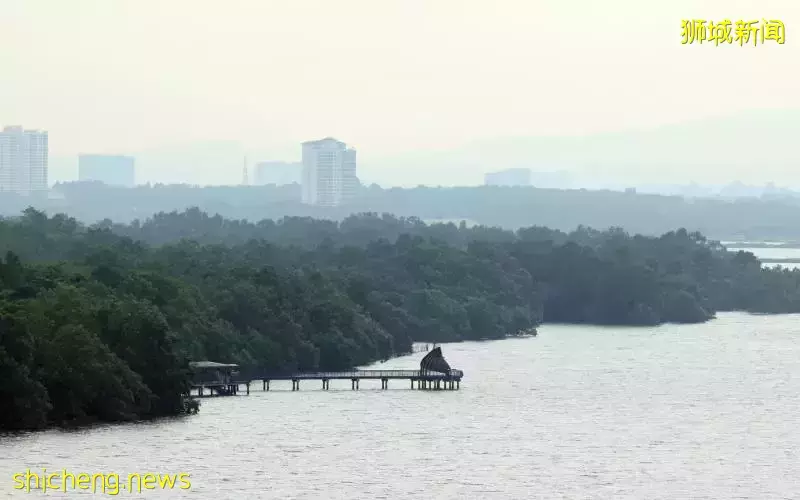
[(387, 76)]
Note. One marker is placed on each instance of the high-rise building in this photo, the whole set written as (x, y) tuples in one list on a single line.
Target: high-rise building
[(113, 170), (279, 173), (349, 178), (510, 177), (329, 172), (23, 161)]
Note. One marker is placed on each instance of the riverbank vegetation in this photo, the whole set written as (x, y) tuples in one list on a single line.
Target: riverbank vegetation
[(100, 322)]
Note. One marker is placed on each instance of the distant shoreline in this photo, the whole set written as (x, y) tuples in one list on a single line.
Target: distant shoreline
[(760, 244)]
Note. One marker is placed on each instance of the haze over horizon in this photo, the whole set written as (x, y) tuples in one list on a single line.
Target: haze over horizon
[(428, 92)]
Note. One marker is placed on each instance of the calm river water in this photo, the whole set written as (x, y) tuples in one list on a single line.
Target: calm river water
[(674, 412)]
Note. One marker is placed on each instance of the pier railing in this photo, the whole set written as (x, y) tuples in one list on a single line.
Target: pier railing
[(364, 375), (424, 379)]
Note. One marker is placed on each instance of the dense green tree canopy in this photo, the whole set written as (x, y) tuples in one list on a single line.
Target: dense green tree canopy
[(100, 322)]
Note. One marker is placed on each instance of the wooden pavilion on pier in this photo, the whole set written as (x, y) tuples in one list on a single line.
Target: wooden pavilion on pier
[(221, 379)]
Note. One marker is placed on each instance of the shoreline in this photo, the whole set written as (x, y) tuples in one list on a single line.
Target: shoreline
[(92, 422)]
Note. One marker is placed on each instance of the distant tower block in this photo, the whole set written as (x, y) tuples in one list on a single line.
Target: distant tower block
[(245, 179), (329, 173)]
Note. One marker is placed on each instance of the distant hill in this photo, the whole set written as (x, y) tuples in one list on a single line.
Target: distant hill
[(753, 147), (744, 219)]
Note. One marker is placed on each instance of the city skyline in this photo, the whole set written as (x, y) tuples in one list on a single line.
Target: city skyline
[(541, 177), (472, 73), (683, 153)]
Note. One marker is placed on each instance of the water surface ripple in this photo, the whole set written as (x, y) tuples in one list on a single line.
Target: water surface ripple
[(707, 411)]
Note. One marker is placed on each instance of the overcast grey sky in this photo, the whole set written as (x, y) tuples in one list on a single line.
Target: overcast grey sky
[(387, 76)]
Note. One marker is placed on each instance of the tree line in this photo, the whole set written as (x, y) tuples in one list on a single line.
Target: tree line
[(766, 218), (99, 322)]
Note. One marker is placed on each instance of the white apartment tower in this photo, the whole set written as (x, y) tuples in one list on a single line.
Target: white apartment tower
[(23, 161), (329, 172)]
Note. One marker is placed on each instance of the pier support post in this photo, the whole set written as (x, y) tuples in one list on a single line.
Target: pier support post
[(200, 391), (412, 384), (263, 385), (248, 388), (458, 384)]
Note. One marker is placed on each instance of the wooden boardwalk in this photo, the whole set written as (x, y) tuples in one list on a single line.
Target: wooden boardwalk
[(434, 374), (423, 378)]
